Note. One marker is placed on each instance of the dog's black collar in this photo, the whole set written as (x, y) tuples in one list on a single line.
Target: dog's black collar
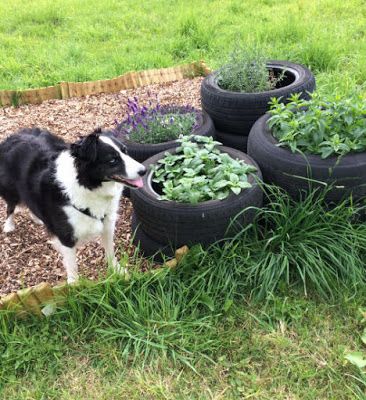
[(87, 212)]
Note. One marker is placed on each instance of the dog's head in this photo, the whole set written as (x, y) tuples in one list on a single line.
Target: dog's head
[(101, 157)]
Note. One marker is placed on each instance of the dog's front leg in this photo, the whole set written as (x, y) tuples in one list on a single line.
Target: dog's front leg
[(69, 260), (108, 244)]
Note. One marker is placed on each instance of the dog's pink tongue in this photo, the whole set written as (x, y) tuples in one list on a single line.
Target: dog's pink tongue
[(136, 182)]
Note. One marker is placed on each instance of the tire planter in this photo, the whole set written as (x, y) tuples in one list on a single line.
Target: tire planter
[(141, 152), (236, 112), (149, 246), (238, 142), (290, 171), (176, 224)]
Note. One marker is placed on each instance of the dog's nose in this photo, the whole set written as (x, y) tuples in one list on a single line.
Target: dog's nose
[(142, 171)]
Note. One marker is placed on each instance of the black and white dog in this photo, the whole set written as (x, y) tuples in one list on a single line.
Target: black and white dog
[(73, 189)]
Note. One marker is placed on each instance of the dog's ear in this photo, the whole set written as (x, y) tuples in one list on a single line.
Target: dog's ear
[(86, 147)]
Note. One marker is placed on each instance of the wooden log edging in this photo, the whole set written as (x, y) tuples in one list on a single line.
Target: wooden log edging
[(129, 80), (34, 300)]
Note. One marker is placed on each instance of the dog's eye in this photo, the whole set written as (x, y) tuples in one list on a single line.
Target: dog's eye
[(113, 161)]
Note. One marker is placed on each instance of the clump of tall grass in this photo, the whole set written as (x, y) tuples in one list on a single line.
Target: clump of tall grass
[(302, 243)]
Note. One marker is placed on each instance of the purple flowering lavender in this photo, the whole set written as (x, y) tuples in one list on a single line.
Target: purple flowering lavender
[(156, 123)]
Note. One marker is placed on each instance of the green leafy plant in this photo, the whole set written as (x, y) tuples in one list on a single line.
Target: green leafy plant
[(246, 71), (198, 172), (322, 125), (156, 123)]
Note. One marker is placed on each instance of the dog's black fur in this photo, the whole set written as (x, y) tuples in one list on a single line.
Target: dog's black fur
[(27, 171)]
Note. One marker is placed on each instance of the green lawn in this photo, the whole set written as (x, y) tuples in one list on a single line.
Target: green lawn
[(211, 329), (289, 349), (44, 42)]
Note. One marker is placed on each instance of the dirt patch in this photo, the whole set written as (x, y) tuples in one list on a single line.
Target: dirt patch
[(27, 256)]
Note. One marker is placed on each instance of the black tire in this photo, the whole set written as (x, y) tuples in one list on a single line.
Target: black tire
[(292, 171), (141, 152), (148, 246), (238, 142), (178, 224), (236, 112)]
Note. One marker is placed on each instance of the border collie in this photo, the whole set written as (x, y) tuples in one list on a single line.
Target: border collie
[(74, 190)]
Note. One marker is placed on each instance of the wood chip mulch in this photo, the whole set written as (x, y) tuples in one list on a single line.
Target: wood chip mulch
[(27, 257)]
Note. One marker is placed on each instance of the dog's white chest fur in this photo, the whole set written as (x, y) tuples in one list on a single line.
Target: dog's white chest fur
[(85, 228), (102, 202)]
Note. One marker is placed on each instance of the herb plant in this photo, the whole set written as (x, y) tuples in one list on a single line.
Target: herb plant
[(198, 172), (246, 71), (325, 126), (156, 123)]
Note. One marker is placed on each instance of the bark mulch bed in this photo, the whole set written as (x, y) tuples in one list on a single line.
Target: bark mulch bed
[(27, 257)]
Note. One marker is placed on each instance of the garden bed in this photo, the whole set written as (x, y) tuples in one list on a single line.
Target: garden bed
[(27, 257)]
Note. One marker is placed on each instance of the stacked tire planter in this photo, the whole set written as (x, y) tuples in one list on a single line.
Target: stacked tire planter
[(234, 113), (298, 173), (162, 226)]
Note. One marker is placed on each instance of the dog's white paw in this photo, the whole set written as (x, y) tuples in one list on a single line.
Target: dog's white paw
[(123, 272), (118, 269), (35, 219), (72, 279), (116, 266), (9, 226), (18, 209)]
